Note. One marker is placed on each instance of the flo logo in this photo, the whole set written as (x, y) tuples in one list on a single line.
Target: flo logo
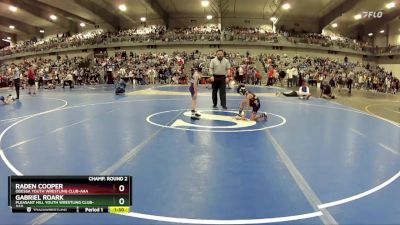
[(371, 14), (211, 121)]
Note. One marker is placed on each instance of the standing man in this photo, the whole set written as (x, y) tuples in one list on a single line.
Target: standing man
[(219, 69), (289, 72), (16, 78), (31, 80), (350, 78)]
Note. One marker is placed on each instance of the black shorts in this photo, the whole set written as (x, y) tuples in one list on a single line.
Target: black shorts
[(255, 104), (119, 91), (31, 82), (256, 108)]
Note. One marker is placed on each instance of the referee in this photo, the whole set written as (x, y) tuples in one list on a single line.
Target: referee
[(219, 68), (16, 78)]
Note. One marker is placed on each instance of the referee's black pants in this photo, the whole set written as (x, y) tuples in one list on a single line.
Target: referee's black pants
[(17, 83), (349, 84), (219, 84), (69, 82)]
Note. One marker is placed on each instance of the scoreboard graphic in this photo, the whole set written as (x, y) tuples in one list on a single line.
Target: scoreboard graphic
[(70, 194)]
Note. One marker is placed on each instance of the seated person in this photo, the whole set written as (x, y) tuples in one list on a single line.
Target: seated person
[(303, 93), (119, 86), (326, 91), (69, 80), (175, 79), (80, 80), (50, 85), (182, 79), (7, 100), (250, 101)]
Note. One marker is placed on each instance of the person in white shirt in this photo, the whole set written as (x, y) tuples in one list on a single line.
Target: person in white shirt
[(241, 74), (295, 74), (131, 76), (289, 72), (151, 73), (219, 68), (361, 81), (76, 73), (16, 78), (303, 93), (122, 72), (68, 79), (387, 84)]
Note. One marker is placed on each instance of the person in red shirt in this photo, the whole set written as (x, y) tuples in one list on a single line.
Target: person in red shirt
[(271, 72), (180, 61), (258, 77), (31, 80)]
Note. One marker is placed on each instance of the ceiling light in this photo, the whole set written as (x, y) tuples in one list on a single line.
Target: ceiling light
[(12, 8), (53, 17), (122, 7), (9, 38), (274, 19), (41, 31), (358, 16), (382, 31), (11, 26), (205, 3), (370, 34), (286, 6), (390, 5), (143, 19), (82, 24), (334, 25), (209, 17)]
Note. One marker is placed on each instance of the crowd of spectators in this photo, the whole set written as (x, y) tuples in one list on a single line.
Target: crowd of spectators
[(60, 41), (249, 34), (292, 71), (155, 33), (48, 72), (144, 68), (389, 49), (163, 68), (326, 40)]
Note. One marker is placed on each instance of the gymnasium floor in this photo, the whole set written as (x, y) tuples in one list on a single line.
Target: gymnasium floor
[(311, 162)]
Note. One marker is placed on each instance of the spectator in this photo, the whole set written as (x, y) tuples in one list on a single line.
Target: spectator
[(304, 91), (240, 72), (120, 86), (258, 77), (326, 91), (289, 73), (282, 75), (68, 80), (31, 80)]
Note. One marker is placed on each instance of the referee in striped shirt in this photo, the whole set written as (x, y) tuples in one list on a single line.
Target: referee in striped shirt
[(16, 78), (219, 68)]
